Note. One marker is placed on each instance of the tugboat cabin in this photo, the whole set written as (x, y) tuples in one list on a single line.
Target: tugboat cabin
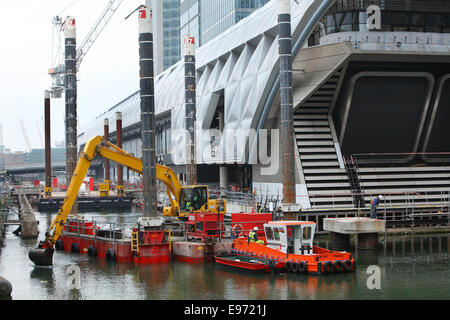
[(290, 237)]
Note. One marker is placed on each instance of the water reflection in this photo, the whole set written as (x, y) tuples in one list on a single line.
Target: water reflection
[(412, 267)]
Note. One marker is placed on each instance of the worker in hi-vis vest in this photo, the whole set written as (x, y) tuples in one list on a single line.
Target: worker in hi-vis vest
[(373, 206), (253, 236)]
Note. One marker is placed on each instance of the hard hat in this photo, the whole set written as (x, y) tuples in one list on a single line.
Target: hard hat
[(380, 196), (255, 229)]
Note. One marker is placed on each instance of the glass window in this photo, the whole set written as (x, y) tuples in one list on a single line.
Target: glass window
[(269, 233), (401, 19), (307, 233), (417, 19), (276, 234), (199, 197), (186, 199)]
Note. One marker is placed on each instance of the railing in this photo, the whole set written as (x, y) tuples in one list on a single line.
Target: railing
[(399, 157)]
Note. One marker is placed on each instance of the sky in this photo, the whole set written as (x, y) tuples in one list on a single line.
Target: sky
[(108, 73)]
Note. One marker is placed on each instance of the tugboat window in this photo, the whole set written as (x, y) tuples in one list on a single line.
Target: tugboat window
[(276, 234), (269, 233), (307, 233)]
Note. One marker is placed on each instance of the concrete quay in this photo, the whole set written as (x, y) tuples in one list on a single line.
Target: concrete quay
[(365, 229)]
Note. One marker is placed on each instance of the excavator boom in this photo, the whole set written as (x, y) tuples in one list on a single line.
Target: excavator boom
[(96, 147)]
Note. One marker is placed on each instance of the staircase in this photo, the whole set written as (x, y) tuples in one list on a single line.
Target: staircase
[(353, 177), (327, 183)]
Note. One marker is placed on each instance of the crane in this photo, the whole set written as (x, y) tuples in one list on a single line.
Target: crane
[(56, 72), (183, 199), (25, 135)]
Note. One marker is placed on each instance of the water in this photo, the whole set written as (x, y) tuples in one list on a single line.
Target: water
[(411, 267)]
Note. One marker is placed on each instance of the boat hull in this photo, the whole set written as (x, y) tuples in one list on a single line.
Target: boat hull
[(322, 261), (247, 263)]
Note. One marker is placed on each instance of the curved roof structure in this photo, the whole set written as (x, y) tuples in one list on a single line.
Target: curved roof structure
[(241, 62)]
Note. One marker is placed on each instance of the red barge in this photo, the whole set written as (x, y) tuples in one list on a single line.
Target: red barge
[(147, 244), (288, 245)]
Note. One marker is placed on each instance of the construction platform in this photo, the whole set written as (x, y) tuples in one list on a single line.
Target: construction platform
[(366, 230), (92, 201)]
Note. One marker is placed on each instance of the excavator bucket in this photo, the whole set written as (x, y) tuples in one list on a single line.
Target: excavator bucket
[(41, 256)]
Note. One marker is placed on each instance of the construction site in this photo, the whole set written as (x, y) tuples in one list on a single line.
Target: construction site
[(306, 140)]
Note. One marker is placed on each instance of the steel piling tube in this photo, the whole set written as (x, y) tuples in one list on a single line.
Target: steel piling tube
[(148, 122), (48, 154), (71, 101), (119, 144), (106, 138), (190, 107), (275, 85), (286, 97)]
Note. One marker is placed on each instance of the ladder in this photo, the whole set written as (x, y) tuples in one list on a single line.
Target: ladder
[(135, 241), (355, 184)]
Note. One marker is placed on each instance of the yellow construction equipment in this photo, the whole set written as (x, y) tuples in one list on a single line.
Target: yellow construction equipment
[(183, 199)]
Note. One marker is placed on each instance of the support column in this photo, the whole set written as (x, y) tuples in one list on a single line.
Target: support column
[(287, 105), (48, 150), (286, 96), (106, 161), (190, 105), (147, 94), (119, 144), (71, 101), (223, 170)]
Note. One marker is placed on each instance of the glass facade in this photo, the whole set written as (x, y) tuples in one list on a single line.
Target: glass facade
[(190, 21), (218, 15), (396, 15), (171, 33)]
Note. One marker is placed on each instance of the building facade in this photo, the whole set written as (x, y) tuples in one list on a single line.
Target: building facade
[(218, 16), (370, 105)]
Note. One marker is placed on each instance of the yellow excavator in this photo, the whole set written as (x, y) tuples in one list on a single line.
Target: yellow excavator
[(183, 199)]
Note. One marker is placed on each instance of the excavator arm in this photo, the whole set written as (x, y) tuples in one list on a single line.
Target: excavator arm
[(97, 147)]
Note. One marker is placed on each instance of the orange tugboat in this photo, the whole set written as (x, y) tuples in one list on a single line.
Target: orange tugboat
[(288, 245)]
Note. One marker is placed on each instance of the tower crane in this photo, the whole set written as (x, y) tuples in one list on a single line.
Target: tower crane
[(58, 71), (25, 135)]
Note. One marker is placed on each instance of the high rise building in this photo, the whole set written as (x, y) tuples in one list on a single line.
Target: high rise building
[(218, 15), (206, 19), (190, 13), (166, 33)]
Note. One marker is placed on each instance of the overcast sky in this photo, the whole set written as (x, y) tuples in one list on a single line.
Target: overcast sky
[(108, 74)]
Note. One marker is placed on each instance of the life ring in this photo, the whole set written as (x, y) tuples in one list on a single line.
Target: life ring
[(110, 254), (75, 248), (92, 251), (302, 266), (295, 267), (348, 265), (237, 231), (59, 245), (328, 266), (338, 266)]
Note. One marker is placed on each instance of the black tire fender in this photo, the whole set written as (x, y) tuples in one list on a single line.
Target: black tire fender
[(59, 245), (110, 254), (92, 251), (302, 266), (348, 265), (328, 266), (75, 248), (295, 267), (338, 266)]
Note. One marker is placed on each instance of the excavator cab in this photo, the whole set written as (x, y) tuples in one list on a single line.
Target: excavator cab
[(193, 199)]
